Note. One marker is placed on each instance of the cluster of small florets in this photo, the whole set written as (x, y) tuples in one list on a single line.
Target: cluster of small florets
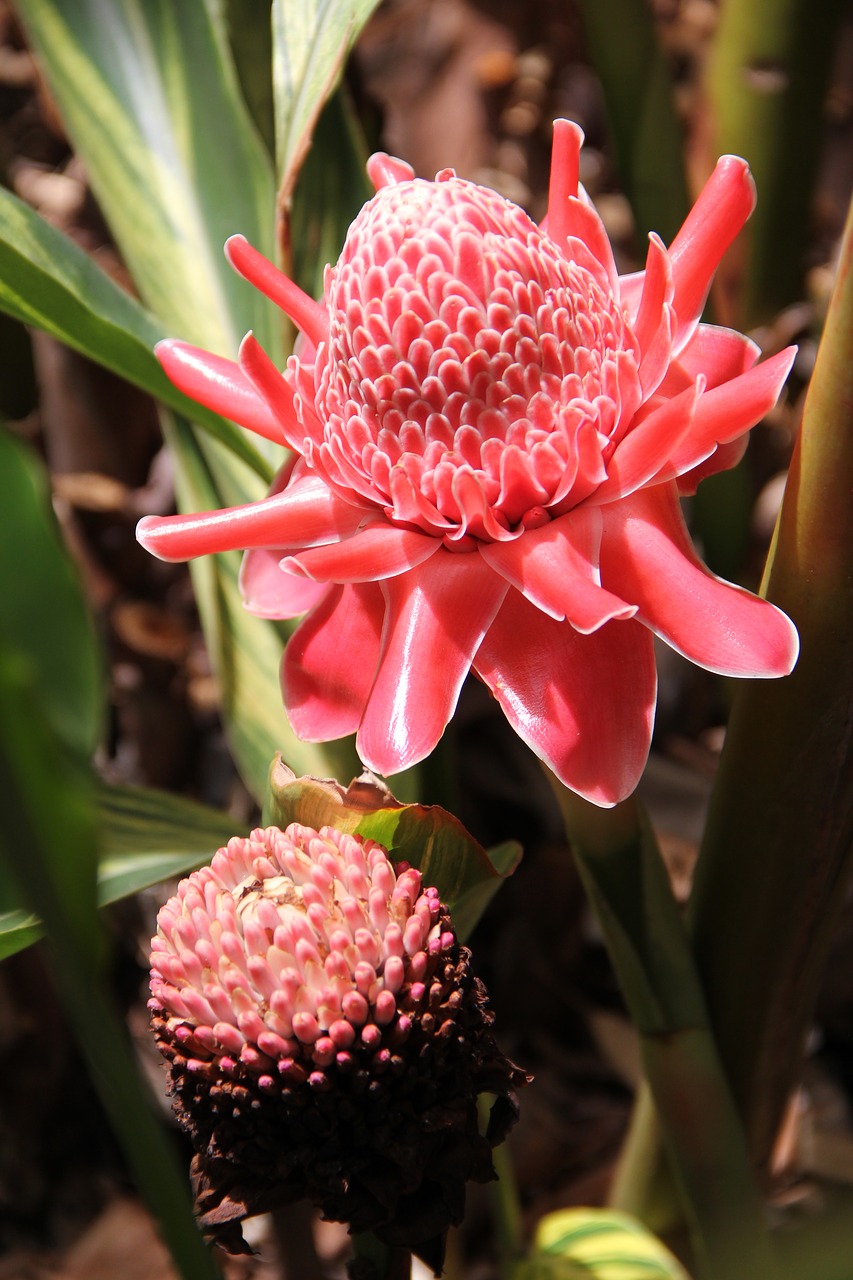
[(289, 947), (325, 1038)]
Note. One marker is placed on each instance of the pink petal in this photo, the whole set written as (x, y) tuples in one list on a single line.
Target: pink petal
[(582, 221), (305, 513), (330, 662), (626, 394), (631, 288), (720, 354), (723, 206), (386, 171), (269, 592), (556, 568), (409, 504), (308, 316), (219, 385), (647, 557), (654, 323), (436, 616), (273, 388), (591, 471), (729, 410), (724, 457), (648, 446), (380, 550), (477, 516), (565, 164), (584, 704)]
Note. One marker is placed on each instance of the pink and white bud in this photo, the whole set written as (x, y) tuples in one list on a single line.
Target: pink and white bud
[(325, 1037)]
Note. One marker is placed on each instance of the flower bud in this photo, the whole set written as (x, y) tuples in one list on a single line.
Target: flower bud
[(325, 1039)]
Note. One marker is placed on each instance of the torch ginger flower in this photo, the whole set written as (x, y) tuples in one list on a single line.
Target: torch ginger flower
[(491, 430), (326, 1038)]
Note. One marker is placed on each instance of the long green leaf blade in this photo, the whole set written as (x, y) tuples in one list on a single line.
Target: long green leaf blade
[(638, 94), (146, 836), (311, 41), (778, 849), (43, 617), (151, 102), (151, 835), (49, 815), (332, 187), (48, 282)]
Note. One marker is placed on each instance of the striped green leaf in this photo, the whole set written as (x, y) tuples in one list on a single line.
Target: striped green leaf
[(48, 282), (145, 836), (149, 96), (597, 1244), (151, 835), (311, 41), (19, 929)]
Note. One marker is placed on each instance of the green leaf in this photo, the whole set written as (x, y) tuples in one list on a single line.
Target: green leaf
[(332, 187), (43, 617), (48, 282), (146, 836), (777, 857), (48, 840), (311, 41), (149, 96), (249, 27), (545, 1266), (425, 836), (151, 835), (628, 887), (48, 844), (766, 96), (19, 929), (597, 1244)]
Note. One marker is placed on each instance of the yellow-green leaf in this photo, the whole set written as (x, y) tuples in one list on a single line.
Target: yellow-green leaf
[(597, 1244)]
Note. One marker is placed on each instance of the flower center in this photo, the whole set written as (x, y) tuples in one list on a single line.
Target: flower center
[(470, 383)]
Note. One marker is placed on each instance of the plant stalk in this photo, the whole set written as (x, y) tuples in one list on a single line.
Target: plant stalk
[(778, 850), (766, 89), (629, 890)]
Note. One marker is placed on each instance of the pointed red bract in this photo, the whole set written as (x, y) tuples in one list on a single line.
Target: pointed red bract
[(492, 431), (218, 384), (647, 557), (330, 662), (269, 592), (585, 704), (435, 619), (724, 204)]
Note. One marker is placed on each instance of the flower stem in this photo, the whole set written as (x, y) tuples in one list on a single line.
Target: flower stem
[(766, 82), (629, 890), (640, 105), (506, 1207)]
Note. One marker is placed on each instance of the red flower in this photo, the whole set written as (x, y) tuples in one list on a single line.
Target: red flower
[(491, 432)]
